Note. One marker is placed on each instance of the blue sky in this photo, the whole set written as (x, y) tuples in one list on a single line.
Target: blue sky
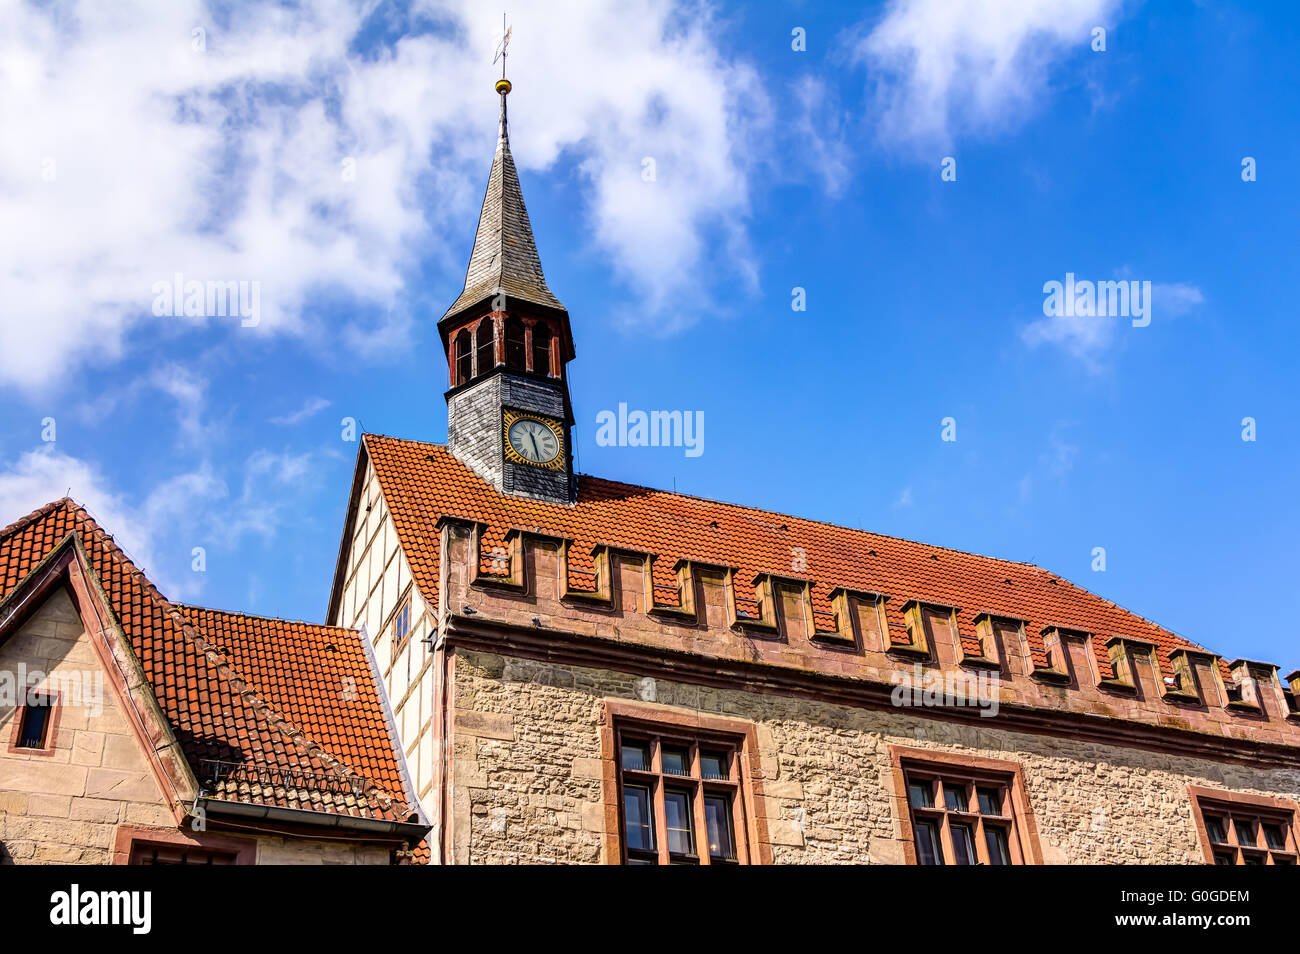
[(775, 169)]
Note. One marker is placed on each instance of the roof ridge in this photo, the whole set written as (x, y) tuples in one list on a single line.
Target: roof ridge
[(770, 513), (23, 522)]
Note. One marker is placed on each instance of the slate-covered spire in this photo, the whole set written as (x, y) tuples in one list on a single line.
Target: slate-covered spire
[(505, 255)]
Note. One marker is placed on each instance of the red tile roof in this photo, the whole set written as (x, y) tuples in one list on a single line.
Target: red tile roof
[(422, 482), (262, 694)]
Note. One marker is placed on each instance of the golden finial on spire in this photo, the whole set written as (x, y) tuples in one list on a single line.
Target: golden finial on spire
[(503, 84)]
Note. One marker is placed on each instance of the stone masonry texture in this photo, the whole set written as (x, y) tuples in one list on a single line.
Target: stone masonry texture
[(527, 776)]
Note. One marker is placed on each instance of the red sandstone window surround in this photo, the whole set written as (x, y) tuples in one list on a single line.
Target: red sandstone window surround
[(962, 810), (134, 845), (36, 723), (1239, 829), (680, 788)]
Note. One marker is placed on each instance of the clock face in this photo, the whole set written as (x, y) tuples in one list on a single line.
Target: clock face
[(533, 441)]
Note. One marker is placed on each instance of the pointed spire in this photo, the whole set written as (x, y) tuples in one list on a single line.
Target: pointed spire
[(505, 256)]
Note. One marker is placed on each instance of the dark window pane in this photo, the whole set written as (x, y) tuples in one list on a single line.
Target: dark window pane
[(636, 818), (717, 819), (1283, 860), (1214, 829), (36, 719), (963, 846), (636, 757), (996, 840), (1274, 836), (1224, 858), (920, 794), (927, 844), (464, 357), (1251, 858), (1245, 831), (713, 765), (541, 349), (677, 821), (485, 346), (954, 796), (515, 344), (676, 761), (990, 801)]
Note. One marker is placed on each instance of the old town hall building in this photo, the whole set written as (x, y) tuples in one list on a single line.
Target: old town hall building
[(523, 664)]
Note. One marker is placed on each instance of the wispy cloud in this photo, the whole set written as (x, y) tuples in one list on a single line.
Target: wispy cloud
[(313, 406), (1054, 464), (940, 68), (1090, 339), (1175, 298)]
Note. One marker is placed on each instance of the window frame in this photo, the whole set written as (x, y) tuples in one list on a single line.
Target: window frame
[(1260, 810), (129, 839), (540, 343), (485, 346), (939, 769), (53, 701), (462, 362), (658, 728), (399, 642)]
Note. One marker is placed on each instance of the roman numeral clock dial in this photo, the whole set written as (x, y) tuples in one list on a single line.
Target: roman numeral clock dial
[(533, 440)]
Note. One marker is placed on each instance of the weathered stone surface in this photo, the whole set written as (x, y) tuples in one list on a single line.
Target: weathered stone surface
[(826, 770)]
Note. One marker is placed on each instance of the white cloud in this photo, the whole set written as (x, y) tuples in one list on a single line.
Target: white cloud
[(1176, 298), (313, 406), (820, 128), (1090, 338), (130, 156), (945, 67), (45, 474), (190, 509), (189, 390), (1085, 338)]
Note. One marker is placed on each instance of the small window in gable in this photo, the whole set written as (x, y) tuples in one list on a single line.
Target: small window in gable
[(35, 722)]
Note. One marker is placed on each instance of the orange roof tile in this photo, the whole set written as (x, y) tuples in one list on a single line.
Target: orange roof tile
[(261, 694), (422, 482)]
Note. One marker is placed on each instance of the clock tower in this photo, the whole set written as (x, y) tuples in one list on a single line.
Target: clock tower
[(508, 345)]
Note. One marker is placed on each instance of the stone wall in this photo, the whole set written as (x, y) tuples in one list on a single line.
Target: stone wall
[(526, 777), (65, 807)]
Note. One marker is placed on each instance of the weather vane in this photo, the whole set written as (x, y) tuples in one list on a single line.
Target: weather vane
[(502, 50)]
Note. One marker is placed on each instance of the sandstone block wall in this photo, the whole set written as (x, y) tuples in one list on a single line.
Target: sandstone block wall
[(526, 774), (65, 807)]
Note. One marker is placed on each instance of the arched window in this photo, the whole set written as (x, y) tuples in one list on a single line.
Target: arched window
[(485, 358), (515, 344), (464, 357), (541, 349)]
